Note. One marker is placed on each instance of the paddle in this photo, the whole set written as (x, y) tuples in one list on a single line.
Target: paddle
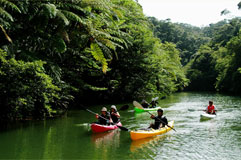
[(138, 105), (121, 127), (154, 99), (125, 107), (192, 110)]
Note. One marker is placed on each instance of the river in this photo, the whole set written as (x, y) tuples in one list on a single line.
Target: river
[(70, 137)]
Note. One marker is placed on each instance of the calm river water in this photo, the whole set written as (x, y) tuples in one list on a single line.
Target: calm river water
[(70, 137)]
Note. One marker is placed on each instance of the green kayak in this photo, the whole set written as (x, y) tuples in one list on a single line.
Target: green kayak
[(138, 110)]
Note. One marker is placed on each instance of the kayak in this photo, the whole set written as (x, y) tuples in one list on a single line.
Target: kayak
[(208, 116), (140, 134), (138, 110), (97, 128)]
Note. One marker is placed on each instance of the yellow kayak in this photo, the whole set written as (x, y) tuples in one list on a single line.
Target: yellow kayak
[(140, 134)]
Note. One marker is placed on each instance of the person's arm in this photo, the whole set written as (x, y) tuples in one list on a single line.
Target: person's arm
[(97, 116), (213, 110), (116, 114), (206, 110), (152, 117), (165, 120), (111, 121)]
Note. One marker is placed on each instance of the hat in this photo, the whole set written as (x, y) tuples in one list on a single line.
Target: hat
[(103, 109), (113, 107), (160, 110)]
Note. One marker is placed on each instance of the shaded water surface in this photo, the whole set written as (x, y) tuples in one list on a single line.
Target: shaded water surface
[(70, 137)]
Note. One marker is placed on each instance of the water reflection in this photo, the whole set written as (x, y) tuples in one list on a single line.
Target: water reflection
[(106, 139), (70, 137), (146, 142)]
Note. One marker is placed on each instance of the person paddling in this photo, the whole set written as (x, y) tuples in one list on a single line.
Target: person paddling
[(160, 121), (211, 108), (105, 115), (115, 116), (144, 104), (153, 103)]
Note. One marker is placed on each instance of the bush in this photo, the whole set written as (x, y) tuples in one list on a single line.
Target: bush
[(26, 91)]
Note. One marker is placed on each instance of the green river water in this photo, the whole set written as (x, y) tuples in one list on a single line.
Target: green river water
[(70, 137)]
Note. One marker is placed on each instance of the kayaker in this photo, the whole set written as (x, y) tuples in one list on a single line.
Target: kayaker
[(106, 120), (153, 103), (159, 120), (115, 116), (211, 108), (144, 104)]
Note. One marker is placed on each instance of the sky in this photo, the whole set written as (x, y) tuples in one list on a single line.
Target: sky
[(195, 12)]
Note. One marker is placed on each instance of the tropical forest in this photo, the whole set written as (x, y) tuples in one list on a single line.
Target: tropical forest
[(61, 59)]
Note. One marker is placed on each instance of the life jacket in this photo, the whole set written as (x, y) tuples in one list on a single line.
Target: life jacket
[(153, 104), (210, 109), (114, 118), (158, 122), (145, 105), (102, 120)]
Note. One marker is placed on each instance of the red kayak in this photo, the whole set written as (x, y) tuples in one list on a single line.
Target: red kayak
[(96, 128)]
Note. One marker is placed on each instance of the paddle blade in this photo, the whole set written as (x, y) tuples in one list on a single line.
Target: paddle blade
[(137, 105), (123, 128), (125, 107)]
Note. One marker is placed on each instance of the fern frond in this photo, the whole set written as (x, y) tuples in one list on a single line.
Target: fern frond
[(101, 5), (71, 6), (50, 10), (117, 39), (106, 51), (61, 16), (99, 33), (99, 56), (5, 14), (59, 44), (72, 16), (4, 23), (10, 5), (109, 44)]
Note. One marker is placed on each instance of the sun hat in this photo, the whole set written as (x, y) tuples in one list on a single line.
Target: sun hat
[(103, 109), (113, 107)]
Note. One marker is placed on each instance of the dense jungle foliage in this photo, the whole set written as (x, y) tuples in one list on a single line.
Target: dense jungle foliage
[(211, 54), (217, 64), (56, 54), (59, 54), (187, 38)]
